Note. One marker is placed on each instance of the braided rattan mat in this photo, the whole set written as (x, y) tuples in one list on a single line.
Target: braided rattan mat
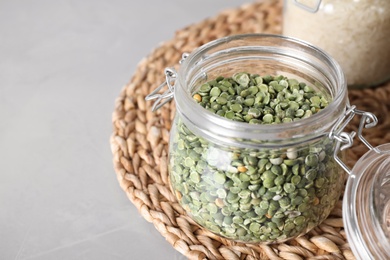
[(140, 144)]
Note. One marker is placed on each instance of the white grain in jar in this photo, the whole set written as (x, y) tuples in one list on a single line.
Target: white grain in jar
[(356, 33)]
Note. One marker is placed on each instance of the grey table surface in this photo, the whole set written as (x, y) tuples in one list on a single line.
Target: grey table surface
[(62, 64)]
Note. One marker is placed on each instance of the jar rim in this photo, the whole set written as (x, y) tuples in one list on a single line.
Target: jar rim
[(223, 129)]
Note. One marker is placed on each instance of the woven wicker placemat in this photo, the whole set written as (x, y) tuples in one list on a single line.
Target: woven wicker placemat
[(139, 145)]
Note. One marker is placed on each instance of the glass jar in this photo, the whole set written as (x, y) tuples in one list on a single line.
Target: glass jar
[(366, 205), (355, 33), (255, 183)]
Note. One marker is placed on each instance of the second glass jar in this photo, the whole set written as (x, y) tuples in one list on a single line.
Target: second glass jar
[(355, 33)]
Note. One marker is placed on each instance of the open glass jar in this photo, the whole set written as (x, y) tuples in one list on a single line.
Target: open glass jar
[(355, 33), (257, 183)]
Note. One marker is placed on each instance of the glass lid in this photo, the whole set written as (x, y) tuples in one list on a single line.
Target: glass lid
[(366, 205)]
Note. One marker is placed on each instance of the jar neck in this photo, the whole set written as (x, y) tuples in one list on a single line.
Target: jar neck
[(265, 55)]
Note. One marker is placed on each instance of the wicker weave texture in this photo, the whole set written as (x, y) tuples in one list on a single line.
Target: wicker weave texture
[(139, 144)]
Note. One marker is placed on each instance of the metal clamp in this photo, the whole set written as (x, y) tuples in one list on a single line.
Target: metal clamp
[(345, 140), (170, 81), (161, 99), (311, 9)]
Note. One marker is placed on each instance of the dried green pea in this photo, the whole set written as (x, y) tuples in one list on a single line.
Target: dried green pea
[(296, 200), (254, 227), (236, 108), (289, 187), (229, 114), (241, 78), (205, 88), (311, 175), (276, 161), (238, 220), (307, 114), (232, 197), (279, 180), (295, 180), (219, 177), (312, 160)]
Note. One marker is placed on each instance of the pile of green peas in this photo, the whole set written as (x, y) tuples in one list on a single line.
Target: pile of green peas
[(255, 195), (260, 100)]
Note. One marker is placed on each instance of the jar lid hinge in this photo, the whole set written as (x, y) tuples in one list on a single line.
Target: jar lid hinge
[(170, 81), (344, 140), (161, 99)]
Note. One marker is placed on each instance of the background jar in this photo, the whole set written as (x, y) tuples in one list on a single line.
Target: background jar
[(256, 183), (355, 33)]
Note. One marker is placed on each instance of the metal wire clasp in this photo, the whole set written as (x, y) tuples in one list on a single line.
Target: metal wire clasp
[(311, 9), (161, 99), (170, 81), (345, 140)]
